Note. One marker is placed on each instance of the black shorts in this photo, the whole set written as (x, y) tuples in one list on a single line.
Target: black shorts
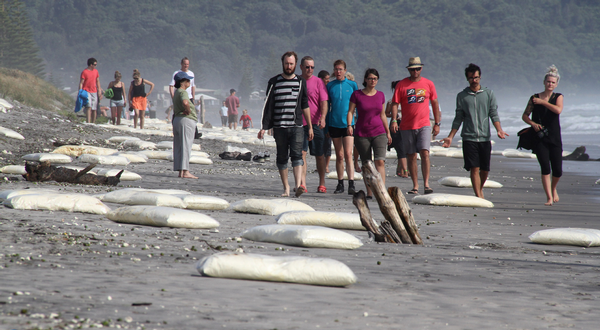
[(336, 132), (477, 154)]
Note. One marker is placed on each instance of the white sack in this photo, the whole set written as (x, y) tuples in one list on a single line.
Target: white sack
[(6, 194), (74, 151), (333, 175), (139, 144), (125, 176), (58, 202), (513, 153), (162, 217), (452, 200), (196, 160), (9, 133), (143, 198), (151, 154), (79, 169), (567, 236), (133, 157), (294, 269), (306, 236), (199, 202), (119, 139), (52, 158), (269, 206), (13, 169), (199, 153), (104, 160), (464, 182), (337, 220)]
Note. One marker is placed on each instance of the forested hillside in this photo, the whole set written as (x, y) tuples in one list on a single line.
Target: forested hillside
[(513, 41)]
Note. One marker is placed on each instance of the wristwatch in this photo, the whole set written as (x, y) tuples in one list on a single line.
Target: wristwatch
[(438, 124)]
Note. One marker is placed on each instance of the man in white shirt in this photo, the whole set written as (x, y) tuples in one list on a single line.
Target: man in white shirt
[(185, 65)]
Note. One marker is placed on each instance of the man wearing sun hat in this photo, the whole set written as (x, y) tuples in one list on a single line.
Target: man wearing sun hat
[(414, 94)]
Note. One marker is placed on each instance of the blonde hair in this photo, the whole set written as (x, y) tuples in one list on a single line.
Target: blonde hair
[(552, 71), (118, 75), (349, 76), (136, 74)]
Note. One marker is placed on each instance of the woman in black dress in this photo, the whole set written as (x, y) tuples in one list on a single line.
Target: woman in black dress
[(545, 109)]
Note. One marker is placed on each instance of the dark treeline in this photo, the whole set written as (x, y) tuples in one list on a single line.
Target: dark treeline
[(513, 41)]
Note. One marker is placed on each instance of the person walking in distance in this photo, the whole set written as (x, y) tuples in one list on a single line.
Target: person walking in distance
[(286, 103), (191, 90), (413, 94), (232, 102), (317, 102), (117, 102), (89, 81), (339, 91), (475, 106), (138, 98)]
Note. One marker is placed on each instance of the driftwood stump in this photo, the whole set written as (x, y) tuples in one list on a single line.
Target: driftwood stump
[(366, 219), (386, 205), (405, 214), (46, 172)]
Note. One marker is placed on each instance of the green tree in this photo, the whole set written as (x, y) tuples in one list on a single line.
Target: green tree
[(246, 85), (17, 46)]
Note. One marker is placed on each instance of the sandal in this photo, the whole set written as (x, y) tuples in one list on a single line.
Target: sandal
[(413, 192), (322, 189), (300, 190), (428, 190)]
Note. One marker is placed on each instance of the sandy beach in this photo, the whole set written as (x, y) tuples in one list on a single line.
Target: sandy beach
[(477, 268)]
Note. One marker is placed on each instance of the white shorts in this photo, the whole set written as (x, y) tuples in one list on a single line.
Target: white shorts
[(92, 101)]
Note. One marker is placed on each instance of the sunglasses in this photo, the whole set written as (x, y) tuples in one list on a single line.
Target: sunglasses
[(414, 69), (310, 67)]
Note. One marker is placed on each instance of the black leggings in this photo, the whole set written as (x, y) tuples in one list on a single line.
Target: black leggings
[(549, 155)]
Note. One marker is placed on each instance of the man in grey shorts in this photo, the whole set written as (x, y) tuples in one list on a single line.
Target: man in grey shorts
[(414, 94)]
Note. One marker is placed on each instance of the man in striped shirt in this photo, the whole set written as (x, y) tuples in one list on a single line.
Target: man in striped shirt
[(286, 103)]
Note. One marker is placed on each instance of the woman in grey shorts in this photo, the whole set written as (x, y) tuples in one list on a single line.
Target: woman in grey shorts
[(371, 134), (117, 102)]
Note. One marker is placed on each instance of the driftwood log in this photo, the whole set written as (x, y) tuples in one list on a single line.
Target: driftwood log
[(366, 219), (46, 172), (405, 214), (386, 205)]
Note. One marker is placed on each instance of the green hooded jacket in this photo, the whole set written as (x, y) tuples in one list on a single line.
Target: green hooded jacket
[(475, 109)]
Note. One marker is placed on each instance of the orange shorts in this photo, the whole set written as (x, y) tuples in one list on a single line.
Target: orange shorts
[(139, 102)]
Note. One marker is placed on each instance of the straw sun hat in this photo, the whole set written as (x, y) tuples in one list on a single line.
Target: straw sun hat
[(414, 62)]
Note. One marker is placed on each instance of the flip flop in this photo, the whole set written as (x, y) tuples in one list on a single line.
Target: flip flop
[(413, 192), (322, 189), (301, 190), (428, 190)]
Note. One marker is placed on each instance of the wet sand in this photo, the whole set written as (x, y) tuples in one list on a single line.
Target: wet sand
[(476, 270)]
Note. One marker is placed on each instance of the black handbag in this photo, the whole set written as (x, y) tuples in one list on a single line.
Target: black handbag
[(528, 138)]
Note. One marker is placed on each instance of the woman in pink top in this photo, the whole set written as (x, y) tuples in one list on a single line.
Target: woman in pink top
[(371, 134)]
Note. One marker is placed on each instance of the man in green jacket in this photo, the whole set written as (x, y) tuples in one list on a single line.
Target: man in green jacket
[(475, 106)]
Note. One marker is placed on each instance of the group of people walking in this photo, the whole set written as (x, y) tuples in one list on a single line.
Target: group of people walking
[(304, 111), (308, 113)]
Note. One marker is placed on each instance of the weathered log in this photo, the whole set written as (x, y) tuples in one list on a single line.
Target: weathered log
[(46, 172), (405, 214), (386, 205), (366, 219), (388, 230)]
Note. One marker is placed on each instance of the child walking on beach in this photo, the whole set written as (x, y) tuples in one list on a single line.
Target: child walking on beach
[(246, 120)]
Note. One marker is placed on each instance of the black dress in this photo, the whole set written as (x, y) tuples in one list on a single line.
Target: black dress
[(549, 150)]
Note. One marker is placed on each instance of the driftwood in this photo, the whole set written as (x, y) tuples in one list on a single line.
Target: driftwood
[(386, 205), (405, 214), (46, 172), (367, 220), (388, 230)]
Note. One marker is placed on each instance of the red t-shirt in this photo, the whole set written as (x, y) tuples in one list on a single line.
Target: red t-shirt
[(414, 98), (232, 102), (90, 77), (245, 121)]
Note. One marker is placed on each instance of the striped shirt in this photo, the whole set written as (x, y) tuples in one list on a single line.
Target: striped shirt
[(286, 93)]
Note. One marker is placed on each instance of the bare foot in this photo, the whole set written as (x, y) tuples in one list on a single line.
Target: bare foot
[(357, 168), (548, 203), (327, 170), (556, 199), (189, 176), (285, 194)]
